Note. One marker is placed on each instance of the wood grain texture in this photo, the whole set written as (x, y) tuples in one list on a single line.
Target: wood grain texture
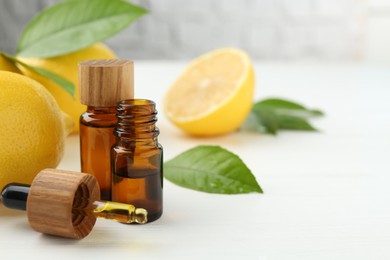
[(103, 83), (51, 198)]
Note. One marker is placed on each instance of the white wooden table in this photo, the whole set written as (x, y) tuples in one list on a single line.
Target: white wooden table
[(327, 194)]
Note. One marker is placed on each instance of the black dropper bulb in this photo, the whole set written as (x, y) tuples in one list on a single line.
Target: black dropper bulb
[(14, 196)]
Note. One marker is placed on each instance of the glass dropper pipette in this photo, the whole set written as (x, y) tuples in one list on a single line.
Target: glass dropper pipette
[(15, 195)]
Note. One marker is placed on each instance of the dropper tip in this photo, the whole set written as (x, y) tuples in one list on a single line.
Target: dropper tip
[(141, 216)]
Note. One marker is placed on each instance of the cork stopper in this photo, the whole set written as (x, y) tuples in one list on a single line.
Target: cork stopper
[(103, 83), (52, 196)]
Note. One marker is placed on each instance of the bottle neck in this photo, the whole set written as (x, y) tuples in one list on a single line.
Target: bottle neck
[(136, 122)]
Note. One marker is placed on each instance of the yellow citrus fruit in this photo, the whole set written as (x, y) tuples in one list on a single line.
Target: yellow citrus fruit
[(6, 65), (67, 67), (32, 129), (213, 95)]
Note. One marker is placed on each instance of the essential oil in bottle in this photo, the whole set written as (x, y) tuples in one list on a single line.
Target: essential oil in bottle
[(102, 83), (136, 157)]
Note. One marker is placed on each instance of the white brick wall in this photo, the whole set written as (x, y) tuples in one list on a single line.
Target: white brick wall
[(267, 29)]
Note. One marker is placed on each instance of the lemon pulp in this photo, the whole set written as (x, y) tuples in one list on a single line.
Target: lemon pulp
[(213, 95)]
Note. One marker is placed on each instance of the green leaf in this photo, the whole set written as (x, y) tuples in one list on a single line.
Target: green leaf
[(294, 123), (75, 24), (63, 83), (253, 124), (261, 121), (271, 115), (282, 107), (211, 169), (267, 119)]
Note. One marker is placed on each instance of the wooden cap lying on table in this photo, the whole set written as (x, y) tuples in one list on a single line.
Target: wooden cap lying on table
[(52, 197)]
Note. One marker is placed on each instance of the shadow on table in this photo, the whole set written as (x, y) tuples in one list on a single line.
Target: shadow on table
[(16, 218), (99, 240)]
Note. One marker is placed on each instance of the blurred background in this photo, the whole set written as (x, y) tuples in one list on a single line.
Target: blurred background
[(298, 30)]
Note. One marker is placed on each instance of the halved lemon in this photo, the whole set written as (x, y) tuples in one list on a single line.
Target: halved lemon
[(213, 95)]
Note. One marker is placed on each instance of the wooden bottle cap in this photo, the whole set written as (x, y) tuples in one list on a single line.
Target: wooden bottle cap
[(51, 199), (103, 83)]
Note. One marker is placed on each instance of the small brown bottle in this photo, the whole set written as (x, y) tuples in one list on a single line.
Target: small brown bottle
[(103, 83), (136, 157)]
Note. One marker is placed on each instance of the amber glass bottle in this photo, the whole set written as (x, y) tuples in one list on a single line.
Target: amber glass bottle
[(102, 83), (136, 157), (96, 138)]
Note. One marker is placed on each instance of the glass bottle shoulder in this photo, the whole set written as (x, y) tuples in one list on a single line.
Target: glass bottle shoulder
[(99, 117)]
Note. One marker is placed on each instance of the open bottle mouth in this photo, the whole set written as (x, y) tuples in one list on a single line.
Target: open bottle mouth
[(137, 119), (136, 102), (136, 107)]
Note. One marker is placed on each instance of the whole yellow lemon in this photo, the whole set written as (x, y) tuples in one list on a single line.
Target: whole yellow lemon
[(67, 67), (32, 129)]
